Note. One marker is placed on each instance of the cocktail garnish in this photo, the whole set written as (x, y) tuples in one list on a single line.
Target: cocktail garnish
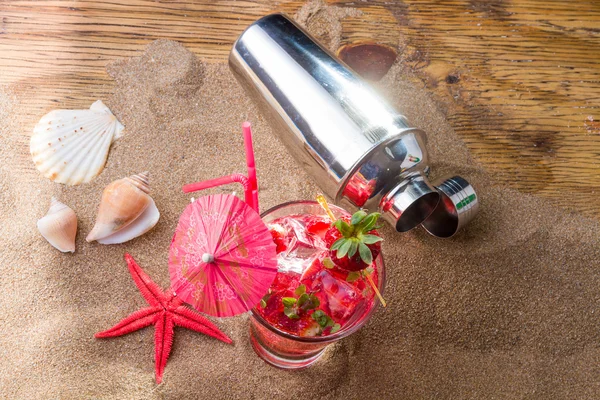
[(353, 276), (368, 276), (325, 321), (322, 319), (327, 263), (358, 242), (308, 301), (323, 202), (289, 301), (354, 245), (293, 306), (263, 301)]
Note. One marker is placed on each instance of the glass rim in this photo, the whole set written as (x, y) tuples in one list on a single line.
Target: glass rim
[(342, 332)]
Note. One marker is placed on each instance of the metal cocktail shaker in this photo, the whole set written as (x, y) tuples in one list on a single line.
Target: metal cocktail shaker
[(358, 148)]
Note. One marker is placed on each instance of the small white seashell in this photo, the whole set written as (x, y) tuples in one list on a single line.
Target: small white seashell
[(59, 226), (71, 146), (126, 211)]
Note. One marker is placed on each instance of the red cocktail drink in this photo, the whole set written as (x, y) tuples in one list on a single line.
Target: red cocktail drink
[(312, 302)]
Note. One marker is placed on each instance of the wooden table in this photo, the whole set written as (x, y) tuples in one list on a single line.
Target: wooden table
[(519, 80)]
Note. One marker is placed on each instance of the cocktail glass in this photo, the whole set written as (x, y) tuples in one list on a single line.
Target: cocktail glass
[(289, 351)]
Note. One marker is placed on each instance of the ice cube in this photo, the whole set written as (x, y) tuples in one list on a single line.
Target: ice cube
[(297, 259), (295, 226), (301, 247), (298, 228), (338, 297)]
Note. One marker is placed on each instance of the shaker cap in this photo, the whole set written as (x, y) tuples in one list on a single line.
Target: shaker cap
[(458, 206)]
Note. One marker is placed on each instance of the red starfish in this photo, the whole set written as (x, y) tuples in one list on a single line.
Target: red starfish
[(166, 310)]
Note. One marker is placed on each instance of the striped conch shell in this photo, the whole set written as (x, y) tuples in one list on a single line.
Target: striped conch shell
[(59, 226), (126, 211)]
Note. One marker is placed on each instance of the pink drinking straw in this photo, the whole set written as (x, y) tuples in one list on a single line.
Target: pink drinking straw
[(224, 180), (249, 183), (250, 164)]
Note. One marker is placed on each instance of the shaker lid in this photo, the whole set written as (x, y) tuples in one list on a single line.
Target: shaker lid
[(458, 206)]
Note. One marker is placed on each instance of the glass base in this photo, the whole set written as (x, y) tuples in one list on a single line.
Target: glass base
[(283, 362)]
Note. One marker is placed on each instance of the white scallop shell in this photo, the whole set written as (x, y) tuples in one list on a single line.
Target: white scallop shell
[(71, 146)]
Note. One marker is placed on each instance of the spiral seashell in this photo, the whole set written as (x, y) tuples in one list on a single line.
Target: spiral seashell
[(59, 226), (126, 211), (71, 146)]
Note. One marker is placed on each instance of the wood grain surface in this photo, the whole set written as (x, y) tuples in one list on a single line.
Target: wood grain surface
[(518, 80)]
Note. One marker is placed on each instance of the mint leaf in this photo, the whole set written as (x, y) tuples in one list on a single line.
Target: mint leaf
[(289, 301), (290, 313), (327, 263), (370, 239), (322, 319), (300, 290), (353, 247), (308, 302), (335, 328), (266, 297), (357, 217), (365, 253), (352, 276), (303, 299), (314, 301)]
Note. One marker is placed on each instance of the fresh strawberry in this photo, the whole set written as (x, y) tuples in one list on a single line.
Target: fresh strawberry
[(353, 242), (317, 226), (279, 239)]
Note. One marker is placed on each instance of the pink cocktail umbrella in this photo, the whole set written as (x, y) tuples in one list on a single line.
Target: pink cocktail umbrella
[(222, 258)]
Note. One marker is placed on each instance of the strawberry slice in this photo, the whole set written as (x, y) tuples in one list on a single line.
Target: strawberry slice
[(317, 226), (312, 270), (279, 237), (353, 242)]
